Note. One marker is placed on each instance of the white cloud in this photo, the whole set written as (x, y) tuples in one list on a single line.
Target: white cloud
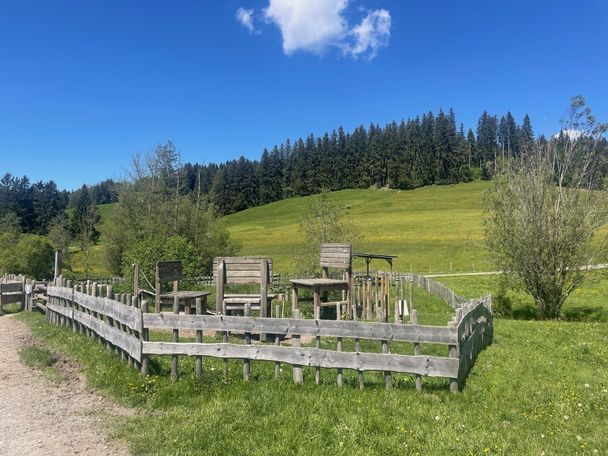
[(316, 25), (370, 35), (245, 17), (309, 25)]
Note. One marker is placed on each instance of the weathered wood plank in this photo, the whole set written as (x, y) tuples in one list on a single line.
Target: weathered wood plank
[(122, 313), (241, 260), (11, 298), (123, 340), (11, 287), (430, 366), (289, 326)]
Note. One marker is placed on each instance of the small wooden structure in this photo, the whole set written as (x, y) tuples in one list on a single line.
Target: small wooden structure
[(12, 292), (368, 257), (243, 271), (171, 271), (337, 256)]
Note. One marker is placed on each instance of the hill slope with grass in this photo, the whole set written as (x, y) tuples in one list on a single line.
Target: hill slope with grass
[(436, 228)]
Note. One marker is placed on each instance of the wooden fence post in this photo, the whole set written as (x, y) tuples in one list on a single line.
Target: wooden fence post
[(277, 342), (359, 372), (198, 368), (296, 343), (388, 376), (247, 361), (175, 338), (454, 351), (339, 348), (144, 337), (416, 347)]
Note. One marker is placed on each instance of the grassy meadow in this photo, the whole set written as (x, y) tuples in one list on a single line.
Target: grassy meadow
[(97, 259), (436, 228), (541, 388)]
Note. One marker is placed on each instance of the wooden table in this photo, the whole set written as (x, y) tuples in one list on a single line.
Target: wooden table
[(318, 286), (186, 299)]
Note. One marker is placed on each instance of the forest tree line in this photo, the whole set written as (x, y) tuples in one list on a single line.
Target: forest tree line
[(432, 149)]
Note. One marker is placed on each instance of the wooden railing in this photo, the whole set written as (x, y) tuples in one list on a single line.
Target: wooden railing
[(117, 324), (124, 326)]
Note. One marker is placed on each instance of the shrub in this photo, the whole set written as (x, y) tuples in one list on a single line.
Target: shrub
[(35, 256), (149, 251)]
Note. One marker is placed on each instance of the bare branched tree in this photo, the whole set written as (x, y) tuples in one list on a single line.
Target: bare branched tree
[(323, 220), (544, 211)]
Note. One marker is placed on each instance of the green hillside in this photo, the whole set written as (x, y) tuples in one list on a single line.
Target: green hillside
[(430, 229), (97, 255)]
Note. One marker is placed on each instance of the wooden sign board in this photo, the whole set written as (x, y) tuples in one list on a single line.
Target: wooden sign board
[(168, 271)]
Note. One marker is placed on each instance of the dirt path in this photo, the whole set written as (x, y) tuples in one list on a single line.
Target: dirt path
[(38, 417)]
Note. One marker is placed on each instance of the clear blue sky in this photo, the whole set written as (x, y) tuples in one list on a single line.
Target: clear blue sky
[(86, 84)]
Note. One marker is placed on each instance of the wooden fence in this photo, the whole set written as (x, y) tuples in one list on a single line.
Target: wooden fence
[(105, 318), (124, 326), (389, 296), (13, 290)]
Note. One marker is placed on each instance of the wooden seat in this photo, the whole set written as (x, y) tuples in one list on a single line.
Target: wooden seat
[(335, 256), (242, 271)]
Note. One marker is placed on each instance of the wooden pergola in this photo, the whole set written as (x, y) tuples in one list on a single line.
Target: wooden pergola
[(368, 257)]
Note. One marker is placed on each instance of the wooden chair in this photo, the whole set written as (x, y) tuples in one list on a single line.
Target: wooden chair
[(243, 271), (171, 271), (167, 271), (334, 256)]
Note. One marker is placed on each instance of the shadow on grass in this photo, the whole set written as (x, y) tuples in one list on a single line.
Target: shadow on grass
[(577, 313), (586, 313)]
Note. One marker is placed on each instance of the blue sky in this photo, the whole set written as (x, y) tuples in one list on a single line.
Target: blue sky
[(84, 85)]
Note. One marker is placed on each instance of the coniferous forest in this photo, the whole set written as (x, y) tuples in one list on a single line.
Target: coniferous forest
[(426, 150), (432, 149)]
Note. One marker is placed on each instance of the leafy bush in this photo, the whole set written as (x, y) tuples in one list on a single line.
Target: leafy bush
[(28, 254), (35, 256), (149, 251)]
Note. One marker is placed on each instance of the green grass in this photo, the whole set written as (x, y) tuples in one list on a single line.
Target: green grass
[(541, 387), (42, 360), (10, 308), (435, 228), (98, 266), (588, 303)]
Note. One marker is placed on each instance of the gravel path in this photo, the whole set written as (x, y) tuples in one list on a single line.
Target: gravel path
[(38, 417)]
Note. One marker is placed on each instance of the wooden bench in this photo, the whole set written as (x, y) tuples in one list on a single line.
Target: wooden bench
[(242, 271), (336, 256)]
